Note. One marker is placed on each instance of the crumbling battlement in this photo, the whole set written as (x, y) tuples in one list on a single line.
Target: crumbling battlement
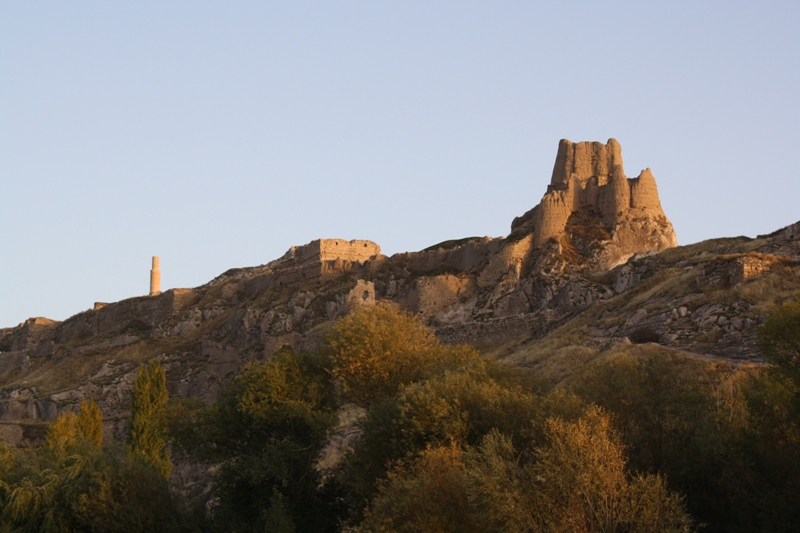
[(589, 178), (322, 250), (732, 269), (29, 334), (129, 315), (315, 262), (465, 257)]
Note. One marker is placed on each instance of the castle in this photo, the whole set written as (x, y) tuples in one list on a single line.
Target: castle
[(589, 186)]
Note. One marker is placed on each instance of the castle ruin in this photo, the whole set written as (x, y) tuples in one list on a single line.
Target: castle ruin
[(589, 187)]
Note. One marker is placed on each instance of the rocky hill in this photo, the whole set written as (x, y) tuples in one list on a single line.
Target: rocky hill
[(593, 265)]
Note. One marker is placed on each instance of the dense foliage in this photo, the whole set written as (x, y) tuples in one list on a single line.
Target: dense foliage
[(72, 483), (639, 440), (265, 433), (376, 352), (147, 425)]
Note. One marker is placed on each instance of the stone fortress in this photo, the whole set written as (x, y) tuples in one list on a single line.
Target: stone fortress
[(589, 186), (324, 259), (591, 237)]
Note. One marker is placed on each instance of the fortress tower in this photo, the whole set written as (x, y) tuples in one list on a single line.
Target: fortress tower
[(589, 194), (155, 278)]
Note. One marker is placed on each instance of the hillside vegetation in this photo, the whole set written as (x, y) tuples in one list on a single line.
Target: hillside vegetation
[(639, 439)]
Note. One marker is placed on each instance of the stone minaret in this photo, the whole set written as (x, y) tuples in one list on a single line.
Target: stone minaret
[(155, 278)]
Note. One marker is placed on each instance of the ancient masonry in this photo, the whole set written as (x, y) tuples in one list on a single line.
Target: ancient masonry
[(321, 260), (155, 278), (588, 177)]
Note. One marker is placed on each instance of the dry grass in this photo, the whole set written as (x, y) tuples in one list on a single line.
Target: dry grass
[(65, 373), (781, 284), (669, 283), (707, 250), (555, 366)]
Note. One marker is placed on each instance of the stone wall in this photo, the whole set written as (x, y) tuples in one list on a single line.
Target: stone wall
[(315, 262), (732, 269), (511, 256), (465, 257), (331, 249), (753, 265), (492, 332), (131, 314), (29, 334), (430, 294)]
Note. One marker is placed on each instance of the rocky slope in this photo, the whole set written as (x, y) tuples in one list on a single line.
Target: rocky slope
[(593, 265)]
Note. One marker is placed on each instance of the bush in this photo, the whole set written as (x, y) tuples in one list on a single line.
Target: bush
[(377, 351), (265, 434), (779, 339), (575, 482)]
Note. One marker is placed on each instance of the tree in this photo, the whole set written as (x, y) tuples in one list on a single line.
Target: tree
[(90, 422), (580, 484), (432, 494), (457, 408), (659, 401), (265, 433), (69, 427), (576, 482), (379, 350), (779, 339), (148, 425)]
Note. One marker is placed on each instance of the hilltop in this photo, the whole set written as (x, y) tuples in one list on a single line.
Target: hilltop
[(595, 264)]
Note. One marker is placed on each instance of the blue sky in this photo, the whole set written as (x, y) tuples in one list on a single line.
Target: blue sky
[(219, 134)]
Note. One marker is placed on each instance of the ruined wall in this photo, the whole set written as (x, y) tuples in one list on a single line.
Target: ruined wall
[(355, 250), (511, 256), (588, 178), (753, 265), (28, 335), (315, 262), (491, 332), (132, 314), (732, 269), (429, 295), (465, 257), (331, 249), (586, 160)]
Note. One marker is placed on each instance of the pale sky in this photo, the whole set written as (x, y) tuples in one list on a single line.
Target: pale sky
[(218, 134)]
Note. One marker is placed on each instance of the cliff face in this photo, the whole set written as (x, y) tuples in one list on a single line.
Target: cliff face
[(589, 195), (500, 294)]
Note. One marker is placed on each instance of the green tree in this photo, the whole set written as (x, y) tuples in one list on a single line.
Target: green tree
[(726, 439), (779, 339), (457, 408), (265, 433), (90, 422), (83, 487), (127, 494), (580, 484), (148, 436), (69, 429), (379, 350), (576, 482), (432, 494), (661, 403)]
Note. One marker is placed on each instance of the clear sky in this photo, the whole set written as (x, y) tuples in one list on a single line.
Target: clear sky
[(219, 134)]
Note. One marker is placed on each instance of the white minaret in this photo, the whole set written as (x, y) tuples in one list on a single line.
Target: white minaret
[(155, 278)]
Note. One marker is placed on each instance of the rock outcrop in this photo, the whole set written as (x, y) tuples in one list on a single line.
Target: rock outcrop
[(502, 293), (591, 203)]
